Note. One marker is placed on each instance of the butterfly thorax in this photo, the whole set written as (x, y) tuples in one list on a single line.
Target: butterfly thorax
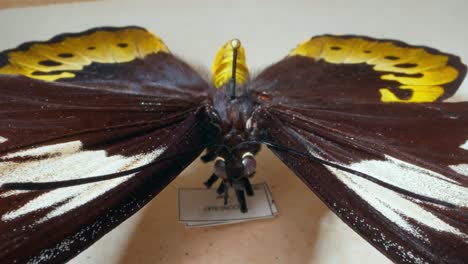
[(235, 139), (234, 161)]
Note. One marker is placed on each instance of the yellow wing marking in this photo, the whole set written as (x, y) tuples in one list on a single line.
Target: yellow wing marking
[(57, 59), (414, 68), (223, 63)]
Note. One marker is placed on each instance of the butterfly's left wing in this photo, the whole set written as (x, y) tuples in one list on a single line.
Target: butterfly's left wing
[(361, 122), (100, 102)]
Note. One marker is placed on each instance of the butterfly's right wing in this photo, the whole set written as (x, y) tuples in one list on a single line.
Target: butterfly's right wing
[(361, 121), (94, 103)]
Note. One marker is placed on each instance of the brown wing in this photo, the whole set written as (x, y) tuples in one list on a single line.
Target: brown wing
[(422, 215), (394, 172), (103, 115)]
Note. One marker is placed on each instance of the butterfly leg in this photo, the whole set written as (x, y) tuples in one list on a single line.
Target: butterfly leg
[(221, 188), (209, 156), (226, 196), (241, 199), (247, 186), (213, 178), (241, 188)]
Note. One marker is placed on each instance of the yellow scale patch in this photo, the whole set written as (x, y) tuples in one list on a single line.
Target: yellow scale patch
[(223, 63), (76, 52), (390, 58)]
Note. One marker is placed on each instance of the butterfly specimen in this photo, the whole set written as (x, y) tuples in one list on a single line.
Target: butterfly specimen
[(93, 125)]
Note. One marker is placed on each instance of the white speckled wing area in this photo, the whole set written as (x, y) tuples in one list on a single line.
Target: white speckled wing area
[(67, 161), (397, 174), (398, 208)]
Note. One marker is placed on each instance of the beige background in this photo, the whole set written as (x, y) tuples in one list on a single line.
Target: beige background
[(305, 231)]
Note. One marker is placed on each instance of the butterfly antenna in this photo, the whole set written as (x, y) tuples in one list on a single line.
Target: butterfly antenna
[(360, 174), (235, 44)]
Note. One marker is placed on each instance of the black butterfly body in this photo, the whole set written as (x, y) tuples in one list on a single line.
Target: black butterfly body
[(93, 125)]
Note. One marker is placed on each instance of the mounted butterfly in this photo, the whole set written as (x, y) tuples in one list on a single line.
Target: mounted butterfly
[(93, 125)]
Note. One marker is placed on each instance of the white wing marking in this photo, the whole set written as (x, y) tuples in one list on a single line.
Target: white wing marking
[(461, 168), (2, 139), (464, 145), (393, 206), (56, 149), (67, 161), (396, 207), (414, 179)]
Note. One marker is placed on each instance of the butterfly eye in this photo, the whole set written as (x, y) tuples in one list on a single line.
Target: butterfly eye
[(220, 168), (249, 163)]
